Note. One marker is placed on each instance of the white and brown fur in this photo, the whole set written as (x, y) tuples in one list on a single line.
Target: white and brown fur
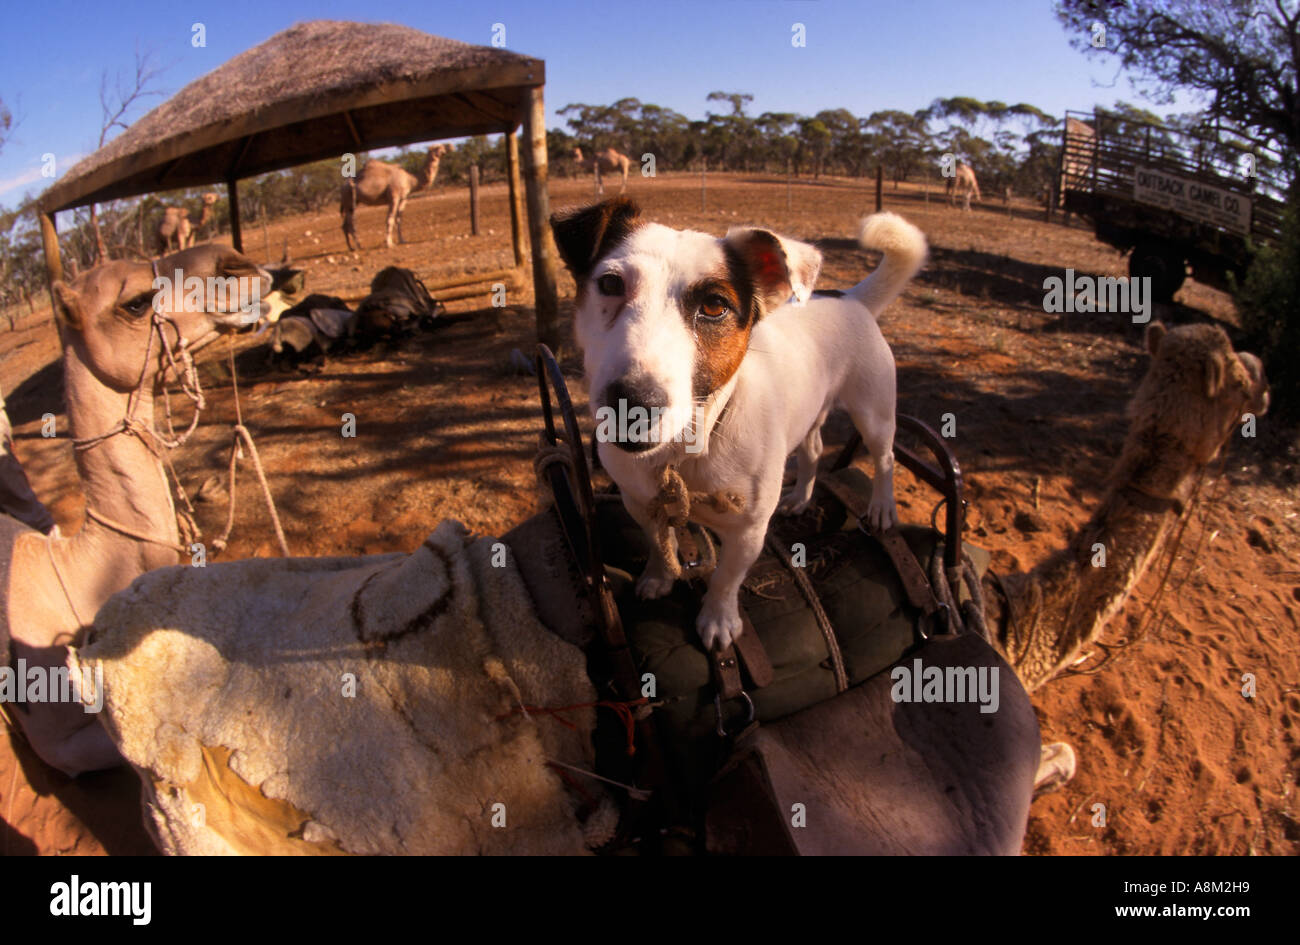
[(680, 320)]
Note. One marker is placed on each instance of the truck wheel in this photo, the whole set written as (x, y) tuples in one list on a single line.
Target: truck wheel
[(1163, 264)]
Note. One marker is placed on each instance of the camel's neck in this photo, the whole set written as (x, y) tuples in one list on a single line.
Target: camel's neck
[(1066, 601), (123, 482), (430, 172)]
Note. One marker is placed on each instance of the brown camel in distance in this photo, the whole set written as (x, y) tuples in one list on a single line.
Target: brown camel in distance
[(175, 227), (382, 183), (1185, 410), (607, 161), (50, 588)]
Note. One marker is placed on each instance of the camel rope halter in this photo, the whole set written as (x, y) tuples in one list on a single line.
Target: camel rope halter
[(181, 362)]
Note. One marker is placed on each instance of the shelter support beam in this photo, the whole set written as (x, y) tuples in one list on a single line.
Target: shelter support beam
[(236, 231), (539, 213), (516, 196)]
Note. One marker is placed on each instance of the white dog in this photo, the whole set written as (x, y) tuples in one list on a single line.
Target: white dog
[(694, 340)]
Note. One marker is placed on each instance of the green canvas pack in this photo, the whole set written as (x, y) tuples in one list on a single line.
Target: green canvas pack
[(854, 578)]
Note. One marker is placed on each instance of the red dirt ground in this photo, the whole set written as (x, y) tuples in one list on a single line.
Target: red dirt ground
[(1181, 760)]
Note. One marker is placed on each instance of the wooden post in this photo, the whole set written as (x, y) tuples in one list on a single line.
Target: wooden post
[(516, 197), (880, 187), (539, 222), (789, 186), (704, 170), (53, 261), (236, 231), (473, 200)]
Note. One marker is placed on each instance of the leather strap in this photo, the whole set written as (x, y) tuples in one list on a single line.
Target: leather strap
[(753, 656), (726, 673), (746, 653), (748, 648), (819, 612), (915, 584)]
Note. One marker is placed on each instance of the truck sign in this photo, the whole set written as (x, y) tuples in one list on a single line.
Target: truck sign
[(1193, 199)]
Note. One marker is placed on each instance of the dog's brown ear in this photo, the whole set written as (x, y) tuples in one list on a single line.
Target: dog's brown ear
[(584, 236), (778, 267)]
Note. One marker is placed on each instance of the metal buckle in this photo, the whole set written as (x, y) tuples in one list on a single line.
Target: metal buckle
[(717, 707)]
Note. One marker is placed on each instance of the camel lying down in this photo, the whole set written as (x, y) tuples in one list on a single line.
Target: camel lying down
[(317, 705), (371, 705)]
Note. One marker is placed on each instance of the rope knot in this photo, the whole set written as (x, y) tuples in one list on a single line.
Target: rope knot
[(670, 508)]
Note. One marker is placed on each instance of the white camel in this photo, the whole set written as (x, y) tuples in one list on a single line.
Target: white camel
[(607, 161), (964, 185), (382, 183), (175, 230)]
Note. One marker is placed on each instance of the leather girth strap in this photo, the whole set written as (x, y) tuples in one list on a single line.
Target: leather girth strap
[(915, 584), (747, 652)]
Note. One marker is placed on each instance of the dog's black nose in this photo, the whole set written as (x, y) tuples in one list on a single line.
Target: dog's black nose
[(633, 408)]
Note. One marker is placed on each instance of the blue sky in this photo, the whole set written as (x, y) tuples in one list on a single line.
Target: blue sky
[(861, 56)]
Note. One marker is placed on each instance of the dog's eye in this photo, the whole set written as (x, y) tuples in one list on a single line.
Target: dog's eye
[(714, 306), (610, 284)]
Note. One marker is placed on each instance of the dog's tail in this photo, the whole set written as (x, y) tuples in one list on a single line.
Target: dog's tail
[(905, 250)]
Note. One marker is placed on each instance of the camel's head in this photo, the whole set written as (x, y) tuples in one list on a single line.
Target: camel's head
[(1197, 388), (432, 159), (209, 199), (107, 313)]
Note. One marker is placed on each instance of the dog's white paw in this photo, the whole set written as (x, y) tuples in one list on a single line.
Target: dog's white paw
[(794, 502), (653, 585), (882, 516), (718, 625)]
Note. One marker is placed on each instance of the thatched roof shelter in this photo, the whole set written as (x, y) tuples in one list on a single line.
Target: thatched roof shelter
[(321, 89)]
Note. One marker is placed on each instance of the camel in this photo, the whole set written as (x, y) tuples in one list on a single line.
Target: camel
[(1188, 405), (609, 161), (113, 360), (279, 763), (175, 227), (382, 183), (963, 184)]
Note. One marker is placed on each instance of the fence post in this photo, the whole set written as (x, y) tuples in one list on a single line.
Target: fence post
[(880, 187), (473, 200)]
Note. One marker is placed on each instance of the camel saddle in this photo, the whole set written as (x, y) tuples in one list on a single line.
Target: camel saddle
[(797, 741)]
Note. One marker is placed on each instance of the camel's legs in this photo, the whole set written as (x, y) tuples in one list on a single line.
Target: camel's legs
[(600, 184), (624, 187), (400, 207), (391, 224)]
